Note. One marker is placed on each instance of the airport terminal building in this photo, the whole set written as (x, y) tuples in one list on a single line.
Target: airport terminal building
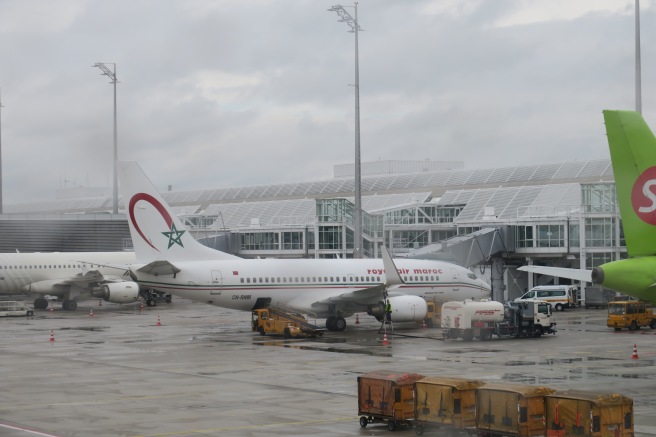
[(491, 220)]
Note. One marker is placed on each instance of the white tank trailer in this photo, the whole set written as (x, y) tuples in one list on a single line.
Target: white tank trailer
[(481, 319)]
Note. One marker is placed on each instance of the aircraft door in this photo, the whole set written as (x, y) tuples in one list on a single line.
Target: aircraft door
[(455, 278), (216, 283)]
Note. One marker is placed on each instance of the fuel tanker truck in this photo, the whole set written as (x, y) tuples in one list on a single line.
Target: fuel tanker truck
[(481, 319)]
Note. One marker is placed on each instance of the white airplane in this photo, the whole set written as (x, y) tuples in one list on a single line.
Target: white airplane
[(170, 260), (70, 276)]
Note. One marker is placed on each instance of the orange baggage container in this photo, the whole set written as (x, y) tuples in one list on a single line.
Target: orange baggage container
[(387, 397), (445, 402), (511, 409), (588, 414)]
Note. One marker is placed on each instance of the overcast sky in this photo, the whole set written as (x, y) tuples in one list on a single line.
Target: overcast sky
[(229, 93)]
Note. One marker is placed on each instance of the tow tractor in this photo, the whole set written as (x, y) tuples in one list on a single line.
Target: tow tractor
[(283, 321)]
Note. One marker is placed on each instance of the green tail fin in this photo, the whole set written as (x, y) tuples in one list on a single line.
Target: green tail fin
[(633, 154)]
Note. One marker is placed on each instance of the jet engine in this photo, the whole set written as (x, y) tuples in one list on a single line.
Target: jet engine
[(404, 309), (119, 292)]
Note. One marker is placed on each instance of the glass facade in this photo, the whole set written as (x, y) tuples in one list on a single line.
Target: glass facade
[(600, 232), (550, 236), (598, 198)]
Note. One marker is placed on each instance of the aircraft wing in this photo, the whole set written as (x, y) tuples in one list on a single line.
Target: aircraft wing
[(560, 272), (84, 280), (159, 268)]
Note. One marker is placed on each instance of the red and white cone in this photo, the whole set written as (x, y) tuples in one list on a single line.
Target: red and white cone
[(635, 352), (158, 322), (423, 324), (52, 308), (385, 342), (141, 306), (91, 312), (357, 320), (52, 336)]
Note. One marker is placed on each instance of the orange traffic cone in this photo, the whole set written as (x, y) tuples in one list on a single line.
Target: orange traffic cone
[(385, 342), (635, 352), (357, 320), (158, 322), (52, 336), (91, 312)]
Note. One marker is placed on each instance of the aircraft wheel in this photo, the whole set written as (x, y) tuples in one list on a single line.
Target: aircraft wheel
[(340, 324), (363, 421), (69, 305), (330, 323), (151, 302), (40, 303)]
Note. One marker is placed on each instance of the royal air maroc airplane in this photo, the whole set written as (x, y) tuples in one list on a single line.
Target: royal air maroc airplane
[(170, 260), (71, 277), (633, 155)]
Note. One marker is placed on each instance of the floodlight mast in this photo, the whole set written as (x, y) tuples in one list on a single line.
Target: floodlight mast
[(1, 106), (638, 64), (352, 22), (112, 76)]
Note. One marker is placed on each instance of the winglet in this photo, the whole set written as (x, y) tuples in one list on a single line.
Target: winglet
[(391, 272)]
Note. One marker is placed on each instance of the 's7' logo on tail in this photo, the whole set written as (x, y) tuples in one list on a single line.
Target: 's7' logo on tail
[(643, 196)]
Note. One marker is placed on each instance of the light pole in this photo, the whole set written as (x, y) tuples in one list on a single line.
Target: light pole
[(638, 67), (112, 76), (352, 22), (1, 152)]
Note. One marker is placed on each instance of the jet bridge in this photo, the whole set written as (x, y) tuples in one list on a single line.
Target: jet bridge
[(485, 246)]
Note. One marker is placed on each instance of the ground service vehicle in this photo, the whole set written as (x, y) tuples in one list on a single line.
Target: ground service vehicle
[(445, 403), (630, 314), (14, 308), (558, 296), (387, 397), (433, 313), (489, 409), (282, 321), (481, 319)]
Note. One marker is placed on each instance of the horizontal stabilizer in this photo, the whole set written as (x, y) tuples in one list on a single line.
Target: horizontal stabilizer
[(159, 268), (560, 272)]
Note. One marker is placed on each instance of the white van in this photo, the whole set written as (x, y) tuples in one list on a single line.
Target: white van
[(558, 296)]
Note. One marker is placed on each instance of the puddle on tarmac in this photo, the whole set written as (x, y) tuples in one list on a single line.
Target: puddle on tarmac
[(86, 328)]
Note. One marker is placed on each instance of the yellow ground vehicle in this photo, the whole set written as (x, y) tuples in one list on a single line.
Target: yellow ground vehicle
[(273, 320), (630, 314)]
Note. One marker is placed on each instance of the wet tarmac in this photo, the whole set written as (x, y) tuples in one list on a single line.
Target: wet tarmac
[(203, 372)]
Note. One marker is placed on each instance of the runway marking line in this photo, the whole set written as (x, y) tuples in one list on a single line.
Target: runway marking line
[(237, 428), (18, 428)]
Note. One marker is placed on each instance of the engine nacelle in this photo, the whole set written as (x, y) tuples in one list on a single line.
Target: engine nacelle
[(404, 309), (120, 292)]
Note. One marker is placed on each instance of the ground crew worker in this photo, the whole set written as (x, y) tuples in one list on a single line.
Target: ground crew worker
[(388, 311)]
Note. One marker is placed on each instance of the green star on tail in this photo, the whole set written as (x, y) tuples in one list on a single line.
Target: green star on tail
[(174, 236)]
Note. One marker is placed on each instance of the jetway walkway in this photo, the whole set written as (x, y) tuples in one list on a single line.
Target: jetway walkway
[(471, 249)]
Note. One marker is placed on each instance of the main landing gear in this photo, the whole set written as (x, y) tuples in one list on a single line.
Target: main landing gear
[(335, 323)]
